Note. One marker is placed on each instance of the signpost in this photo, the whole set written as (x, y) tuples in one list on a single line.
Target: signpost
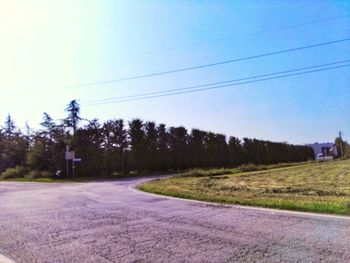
[(75, 160), (70, 156), (67, 168)]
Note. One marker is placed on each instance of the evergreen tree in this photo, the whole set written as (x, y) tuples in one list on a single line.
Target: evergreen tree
[(73, 117), (150, 145), (115, 145), (178, 147), (137, 144), (163, 148)]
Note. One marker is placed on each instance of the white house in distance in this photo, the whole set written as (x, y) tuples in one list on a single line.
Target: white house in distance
[(326, 150)]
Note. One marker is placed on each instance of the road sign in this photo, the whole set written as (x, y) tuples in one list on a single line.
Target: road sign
[(77, 160), (70, 155)]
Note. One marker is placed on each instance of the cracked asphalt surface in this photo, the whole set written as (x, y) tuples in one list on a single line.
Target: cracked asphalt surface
[(107, 222)]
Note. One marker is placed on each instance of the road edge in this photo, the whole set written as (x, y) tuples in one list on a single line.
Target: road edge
[(270, 210)]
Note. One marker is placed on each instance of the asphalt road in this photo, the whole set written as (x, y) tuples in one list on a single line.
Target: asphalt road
[(108, 222)]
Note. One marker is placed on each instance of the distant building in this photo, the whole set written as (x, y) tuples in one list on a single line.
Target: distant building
[(326, 150)]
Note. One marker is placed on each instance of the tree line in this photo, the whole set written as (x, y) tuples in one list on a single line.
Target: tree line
[(343, 147), (116, 147)]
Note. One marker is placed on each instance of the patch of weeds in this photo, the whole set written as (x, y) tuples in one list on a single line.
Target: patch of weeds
[(234, 188), (347, 206), (35, 174), (250, 167), (206, 173), (302, 191), (309, 186), (14, 172), (219, 177), (206, 182)]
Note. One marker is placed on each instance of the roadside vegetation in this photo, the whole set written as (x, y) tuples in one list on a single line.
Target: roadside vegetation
[(116, 148), (322, 187)]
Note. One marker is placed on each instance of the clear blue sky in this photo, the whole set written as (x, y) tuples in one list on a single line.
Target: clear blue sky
[(48, 45)]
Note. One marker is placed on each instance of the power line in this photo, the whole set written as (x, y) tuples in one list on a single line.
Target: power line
[(215, 83), (217, 87), (240, 35), (209, 65)]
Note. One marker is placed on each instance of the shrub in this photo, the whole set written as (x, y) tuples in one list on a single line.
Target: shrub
[(46, 174), (116, 174), (205, 173), (35, 174), (347, 205), (249, 167), (14, 172)]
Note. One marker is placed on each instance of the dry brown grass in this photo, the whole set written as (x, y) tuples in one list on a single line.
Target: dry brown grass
[(319, 187)]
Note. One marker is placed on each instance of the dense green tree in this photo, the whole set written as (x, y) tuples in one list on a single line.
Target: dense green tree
[(197, 148), (13, 146), (137, 144), (237, 155), (73, 117), (115, 146), (88, 148), (49, 126), (178, 146), (163, 148), (111, 148), (343, 147), (46, 151), (9, 127), (150, 145), (217, 150), (39, 155)]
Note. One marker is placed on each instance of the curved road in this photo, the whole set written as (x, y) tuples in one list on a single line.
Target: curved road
[(109, 222)]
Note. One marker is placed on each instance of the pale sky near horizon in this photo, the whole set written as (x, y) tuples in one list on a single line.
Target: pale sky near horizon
[(47, 46)]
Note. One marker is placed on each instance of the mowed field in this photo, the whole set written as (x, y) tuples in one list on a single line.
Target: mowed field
[(322, 187)]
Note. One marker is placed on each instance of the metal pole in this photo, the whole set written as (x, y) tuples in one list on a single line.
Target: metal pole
[(67, 164), (123, 167)]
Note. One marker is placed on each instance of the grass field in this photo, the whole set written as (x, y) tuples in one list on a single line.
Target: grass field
[(36, 180), (322, 187)]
